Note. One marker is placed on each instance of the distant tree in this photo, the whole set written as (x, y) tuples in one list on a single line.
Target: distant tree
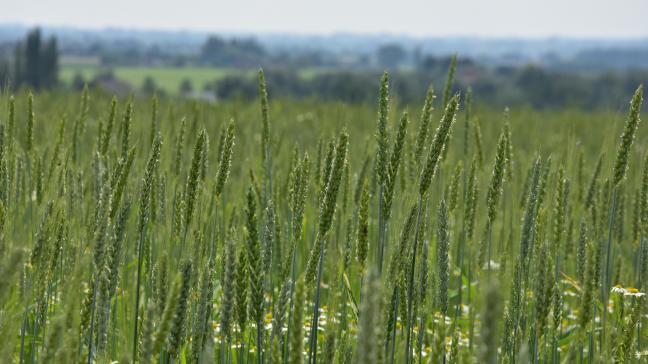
[(36, 62), (149, 87), (345, 86), (505, 71), (49, 63), (33, 61), (236, 87), (432, 63), (78, 81), (391, 55), (5, 75), (417, 55), (213, 48), (286, 82), (233, 53), (536, 85), (18, 67), (186, 87)]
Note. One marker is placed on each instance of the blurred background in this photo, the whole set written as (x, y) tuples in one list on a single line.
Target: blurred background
[(549, 54)]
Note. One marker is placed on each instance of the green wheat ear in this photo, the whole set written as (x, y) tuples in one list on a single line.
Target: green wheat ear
[(478, 144), (151, 168), (629, 131), (265, 118), (470, 206), (593, 185), (105, 141), (393, 166), (497, 179), (30, 123), (560, 205), (381, 134), (643, 197), (176, 336), (426, 116), (126, 129), (191, 190), (443, 242), (362, 249), (11, 123), (452, 190), (120, 178), (450, 80), (225, 159), (581, 251), (438, 144)]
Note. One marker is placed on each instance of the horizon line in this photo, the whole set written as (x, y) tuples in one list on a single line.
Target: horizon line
[(298, 34)]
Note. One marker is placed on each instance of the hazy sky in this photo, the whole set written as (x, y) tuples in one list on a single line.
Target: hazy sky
[(523, 18)]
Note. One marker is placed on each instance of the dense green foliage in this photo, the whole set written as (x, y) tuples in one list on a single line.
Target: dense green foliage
[(162, 231)]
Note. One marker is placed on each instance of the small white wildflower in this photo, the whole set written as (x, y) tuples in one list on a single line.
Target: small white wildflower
[(618, 289), (493, 265), (627, 291), (634, 292), (465, 309)]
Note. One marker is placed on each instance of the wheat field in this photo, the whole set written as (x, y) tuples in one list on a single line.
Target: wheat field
[(174, 231)]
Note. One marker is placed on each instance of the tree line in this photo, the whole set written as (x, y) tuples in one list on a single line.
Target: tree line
[(531, 85), (34, 62)]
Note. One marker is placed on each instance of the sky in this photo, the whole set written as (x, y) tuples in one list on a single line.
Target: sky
[(483, 18)]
